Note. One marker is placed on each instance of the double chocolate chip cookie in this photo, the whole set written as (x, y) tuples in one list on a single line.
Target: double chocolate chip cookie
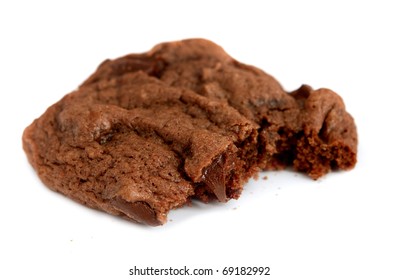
[(148, 132)]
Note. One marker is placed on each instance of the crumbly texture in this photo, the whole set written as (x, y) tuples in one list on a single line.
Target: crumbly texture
[(148, 132)]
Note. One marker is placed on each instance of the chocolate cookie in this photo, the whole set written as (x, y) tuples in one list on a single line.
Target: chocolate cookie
[(148, 132)]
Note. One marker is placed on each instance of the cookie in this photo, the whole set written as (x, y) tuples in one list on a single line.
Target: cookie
[(148, 132)]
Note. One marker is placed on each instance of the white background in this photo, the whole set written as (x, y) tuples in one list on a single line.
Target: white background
[(343, 226)]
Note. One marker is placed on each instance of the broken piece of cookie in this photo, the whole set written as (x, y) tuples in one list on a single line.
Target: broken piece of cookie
[(146, 133)]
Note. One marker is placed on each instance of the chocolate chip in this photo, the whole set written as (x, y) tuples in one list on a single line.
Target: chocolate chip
[(139, 211), (214, 177)]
